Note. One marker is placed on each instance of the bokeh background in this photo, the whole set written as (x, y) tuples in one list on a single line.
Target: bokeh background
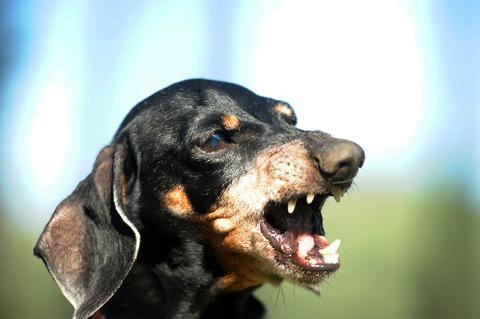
[(401, 78)]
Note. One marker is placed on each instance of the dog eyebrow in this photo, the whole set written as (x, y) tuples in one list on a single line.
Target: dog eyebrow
[(283, 108), (230, 122)]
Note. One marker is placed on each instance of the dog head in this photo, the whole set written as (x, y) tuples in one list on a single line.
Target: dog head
[(214, 163)]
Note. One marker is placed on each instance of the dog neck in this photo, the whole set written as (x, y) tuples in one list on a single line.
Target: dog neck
[(179, 285)]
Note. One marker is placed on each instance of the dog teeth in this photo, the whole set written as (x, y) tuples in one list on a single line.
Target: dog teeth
[(338, 193), (330, 259), (330, 253), (291, 205), (331, 249), (310, 198)]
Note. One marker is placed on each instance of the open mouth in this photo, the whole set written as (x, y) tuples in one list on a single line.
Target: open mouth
[(295, 230)]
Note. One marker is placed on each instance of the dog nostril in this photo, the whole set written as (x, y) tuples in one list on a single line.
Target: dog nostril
[(340, 160), (344, 169)]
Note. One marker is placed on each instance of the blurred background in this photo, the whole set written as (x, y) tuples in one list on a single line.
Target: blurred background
[(401, 78)]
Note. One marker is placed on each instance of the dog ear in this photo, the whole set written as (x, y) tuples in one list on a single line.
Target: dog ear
[(89, 244)]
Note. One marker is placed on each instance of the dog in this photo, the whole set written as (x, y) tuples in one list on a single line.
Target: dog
[(206, 192)]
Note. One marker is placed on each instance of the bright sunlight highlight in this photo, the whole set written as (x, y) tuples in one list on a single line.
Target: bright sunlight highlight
[(47, 144)]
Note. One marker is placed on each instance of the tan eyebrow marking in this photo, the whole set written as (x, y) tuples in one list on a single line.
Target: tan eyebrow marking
[(284, 109), (230, 122), (177, 200)]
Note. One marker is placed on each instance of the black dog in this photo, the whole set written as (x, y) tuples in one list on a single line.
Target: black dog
[(206, 192)]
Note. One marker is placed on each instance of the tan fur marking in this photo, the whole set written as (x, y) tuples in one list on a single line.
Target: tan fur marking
[(283, 109), (230, 122), (223, 225), (240, 278), (177, 200)]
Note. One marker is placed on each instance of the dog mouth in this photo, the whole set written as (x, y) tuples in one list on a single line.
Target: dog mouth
[(295, 230)]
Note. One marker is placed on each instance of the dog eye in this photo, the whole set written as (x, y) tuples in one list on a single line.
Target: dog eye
[(215, 143)]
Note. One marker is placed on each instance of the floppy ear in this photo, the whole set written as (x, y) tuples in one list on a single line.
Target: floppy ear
[(89, 244)]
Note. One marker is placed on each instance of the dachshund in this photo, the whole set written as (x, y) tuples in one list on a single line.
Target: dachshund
[(206, 192)]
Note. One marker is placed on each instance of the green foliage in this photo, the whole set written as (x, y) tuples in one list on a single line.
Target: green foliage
[(26, 288), (410, 256)]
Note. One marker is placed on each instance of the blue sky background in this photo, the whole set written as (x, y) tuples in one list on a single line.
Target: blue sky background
[(401, 78)]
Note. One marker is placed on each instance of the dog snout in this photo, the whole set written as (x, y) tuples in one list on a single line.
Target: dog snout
[(338, 160)]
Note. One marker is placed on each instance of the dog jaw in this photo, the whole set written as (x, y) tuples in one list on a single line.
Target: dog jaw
[(243, 239)]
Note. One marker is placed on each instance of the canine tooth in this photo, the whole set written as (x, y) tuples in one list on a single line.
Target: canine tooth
[(310, 198), (291, 205), (330, 249), (331, 259), (337, 193)]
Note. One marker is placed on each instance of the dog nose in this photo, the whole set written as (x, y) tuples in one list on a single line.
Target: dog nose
[(339, 160)]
